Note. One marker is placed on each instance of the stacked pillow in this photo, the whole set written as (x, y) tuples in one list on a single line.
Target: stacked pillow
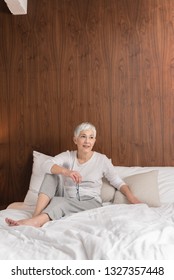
[(143, 185), (36, 179)]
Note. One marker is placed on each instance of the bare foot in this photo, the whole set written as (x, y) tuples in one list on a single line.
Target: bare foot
[(28, 222), (11, 222), (37, 221)]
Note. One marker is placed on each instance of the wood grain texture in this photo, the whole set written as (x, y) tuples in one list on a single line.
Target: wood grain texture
[(110, 62)]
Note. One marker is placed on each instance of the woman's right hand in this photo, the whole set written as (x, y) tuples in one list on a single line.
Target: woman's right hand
[(74, 175)]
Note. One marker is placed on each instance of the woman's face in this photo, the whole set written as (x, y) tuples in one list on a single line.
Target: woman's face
[(85, 141)]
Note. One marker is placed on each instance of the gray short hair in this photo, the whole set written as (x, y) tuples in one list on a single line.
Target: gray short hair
[(84, 126)]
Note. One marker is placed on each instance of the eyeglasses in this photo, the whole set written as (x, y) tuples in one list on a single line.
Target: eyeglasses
[(77, 192), (78, 187)]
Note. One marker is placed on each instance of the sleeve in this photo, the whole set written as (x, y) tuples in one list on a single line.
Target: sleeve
[(62, 159), (111, 174)]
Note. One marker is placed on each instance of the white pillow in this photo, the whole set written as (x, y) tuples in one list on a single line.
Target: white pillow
[(144, 186), (37, 177)]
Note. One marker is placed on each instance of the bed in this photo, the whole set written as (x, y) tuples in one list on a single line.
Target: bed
[(116, 231)]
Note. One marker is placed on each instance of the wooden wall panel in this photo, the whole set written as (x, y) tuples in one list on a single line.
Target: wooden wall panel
[(110, 62)]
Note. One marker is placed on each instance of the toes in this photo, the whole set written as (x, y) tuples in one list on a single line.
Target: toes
[(11, 222)]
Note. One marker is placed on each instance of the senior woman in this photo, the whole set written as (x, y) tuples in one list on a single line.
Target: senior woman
[(82, 171)]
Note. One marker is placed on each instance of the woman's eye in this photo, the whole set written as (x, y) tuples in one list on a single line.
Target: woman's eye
[(84, 136)]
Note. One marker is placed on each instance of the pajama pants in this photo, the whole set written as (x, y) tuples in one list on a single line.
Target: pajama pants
[(60, 206)]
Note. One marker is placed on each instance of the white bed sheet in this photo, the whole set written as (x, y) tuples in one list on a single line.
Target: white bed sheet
[(124, 232)]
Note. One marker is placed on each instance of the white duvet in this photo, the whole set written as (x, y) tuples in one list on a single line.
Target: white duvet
[(125, 232)]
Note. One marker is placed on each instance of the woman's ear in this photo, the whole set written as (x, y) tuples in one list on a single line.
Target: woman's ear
[(75, 140)]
